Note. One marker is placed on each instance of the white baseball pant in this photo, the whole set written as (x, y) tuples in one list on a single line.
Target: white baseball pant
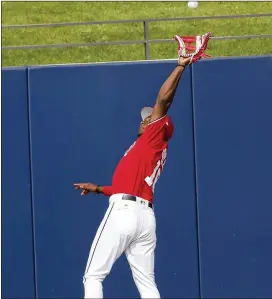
[(128, 227)]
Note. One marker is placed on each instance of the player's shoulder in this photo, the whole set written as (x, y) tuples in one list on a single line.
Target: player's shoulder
[(163, 125), (166, 119)]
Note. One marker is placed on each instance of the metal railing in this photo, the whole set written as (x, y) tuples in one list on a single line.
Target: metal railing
[(146, 41)]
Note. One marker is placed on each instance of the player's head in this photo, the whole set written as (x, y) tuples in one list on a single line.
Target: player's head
[(146, 117)]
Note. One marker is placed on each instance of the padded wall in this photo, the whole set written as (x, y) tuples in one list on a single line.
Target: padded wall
[(83, 118), (232, 105), (17, 243), (214, 191)]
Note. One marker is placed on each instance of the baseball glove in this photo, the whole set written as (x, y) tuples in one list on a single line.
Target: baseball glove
[(187, 49)]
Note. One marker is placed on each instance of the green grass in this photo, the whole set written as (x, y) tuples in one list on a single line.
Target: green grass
[(53, 12)]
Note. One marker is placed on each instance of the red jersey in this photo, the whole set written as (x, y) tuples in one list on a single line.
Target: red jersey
[(139, 170)]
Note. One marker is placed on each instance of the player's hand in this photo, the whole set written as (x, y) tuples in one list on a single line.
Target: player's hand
[(184, 60), (86, 188)]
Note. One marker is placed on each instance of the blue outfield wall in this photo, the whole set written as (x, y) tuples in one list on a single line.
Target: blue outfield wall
[(213, 207), (18, 279), (83, 119), (233, 132)]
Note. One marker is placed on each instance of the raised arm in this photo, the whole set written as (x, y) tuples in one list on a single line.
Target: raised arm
[(168, 90)]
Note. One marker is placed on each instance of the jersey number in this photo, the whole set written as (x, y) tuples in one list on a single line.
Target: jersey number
[(152, 180)]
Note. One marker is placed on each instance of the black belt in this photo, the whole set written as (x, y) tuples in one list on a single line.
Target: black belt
[(134, 198)]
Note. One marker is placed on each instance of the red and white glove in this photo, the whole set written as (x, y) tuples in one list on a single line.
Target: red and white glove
[(197, 52)]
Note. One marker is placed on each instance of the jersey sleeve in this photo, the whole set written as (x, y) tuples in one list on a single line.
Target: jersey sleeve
[(159, 131), (107, 190)]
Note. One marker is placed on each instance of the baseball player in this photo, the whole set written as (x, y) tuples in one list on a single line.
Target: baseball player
[(129, 225)]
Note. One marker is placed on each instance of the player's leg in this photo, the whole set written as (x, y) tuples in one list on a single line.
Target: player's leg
[(140, 255), (112, 238)]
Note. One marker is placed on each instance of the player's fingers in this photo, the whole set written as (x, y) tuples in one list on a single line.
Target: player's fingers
[(80, 185), (84, 192)]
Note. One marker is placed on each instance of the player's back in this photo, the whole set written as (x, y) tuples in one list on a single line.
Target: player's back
[(140, 168)]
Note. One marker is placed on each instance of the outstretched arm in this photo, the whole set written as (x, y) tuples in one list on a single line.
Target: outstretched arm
[(168, 90), (89, 187)]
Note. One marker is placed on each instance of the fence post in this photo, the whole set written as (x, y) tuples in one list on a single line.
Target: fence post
[(146, 44)]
